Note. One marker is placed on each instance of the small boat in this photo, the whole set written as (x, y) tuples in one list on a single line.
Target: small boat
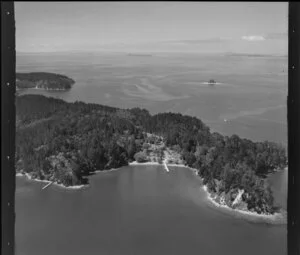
[(212, 82)]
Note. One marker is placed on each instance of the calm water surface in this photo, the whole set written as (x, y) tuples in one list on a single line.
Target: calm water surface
[(135, 210), (144, 210)]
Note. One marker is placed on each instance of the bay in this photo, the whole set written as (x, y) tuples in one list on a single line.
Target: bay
[(135, 210)]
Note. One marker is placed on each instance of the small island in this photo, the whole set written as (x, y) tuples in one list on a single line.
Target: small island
[(212, 82), (63, 143), (42, 80), (139, 55)]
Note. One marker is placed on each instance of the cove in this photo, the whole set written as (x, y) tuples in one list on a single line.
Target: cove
[(141, 210)]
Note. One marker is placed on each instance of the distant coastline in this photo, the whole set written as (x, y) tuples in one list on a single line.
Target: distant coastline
[(139, 55), (256, 55)]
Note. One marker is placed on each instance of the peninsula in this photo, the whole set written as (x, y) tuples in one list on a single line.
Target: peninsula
[(42, 80), (65, 142)]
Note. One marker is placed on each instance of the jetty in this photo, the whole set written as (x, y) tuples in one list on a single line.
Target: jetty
[(166, 167), (47, 185)]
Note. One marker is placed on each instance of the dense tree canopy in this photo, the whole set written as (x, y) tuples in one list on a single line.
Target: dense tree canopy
[(43, 80), (67, 141)]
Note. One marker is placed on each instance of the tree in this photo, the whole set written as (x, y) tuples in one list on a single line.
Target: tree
[(99, 137), (131, 148), (248, 180), (140, 157)]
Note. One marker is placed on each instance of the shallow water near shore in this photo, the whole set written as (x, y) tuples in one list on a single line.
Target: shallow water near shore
[(136, 210)]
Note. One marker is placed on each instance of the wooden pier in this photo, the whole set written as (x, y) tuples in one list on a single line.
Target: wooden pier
[(47, 185), (166, 167)]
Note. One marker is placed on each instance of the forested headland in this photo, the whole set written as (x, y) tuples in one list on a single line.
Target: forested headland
[(42, 80), (66, 142)]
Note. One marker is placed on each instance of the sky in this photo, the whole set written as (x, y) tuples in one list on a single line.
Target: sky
[(203, 27)]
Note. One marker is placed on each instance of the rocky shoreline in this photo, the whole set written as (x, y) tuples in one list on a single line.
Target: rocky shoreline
[(214, 199), (171, 158), (48, 89), (277, 217), (29, 177)]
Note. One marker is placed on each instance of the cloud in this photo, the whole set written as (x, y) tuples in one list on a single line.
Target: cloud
[(253, 38), (198, 41)]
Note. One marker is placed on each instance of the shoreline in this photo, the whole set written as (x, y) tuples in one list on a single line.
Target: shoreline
[(35, 88), (50, 89), (277, 217), (82, 186), (74, 187), (107, 170), (150, 163), (272, 218)]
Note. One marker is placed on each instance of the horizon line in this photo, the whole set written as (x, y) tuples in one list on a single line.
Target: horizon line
[(149, 52)]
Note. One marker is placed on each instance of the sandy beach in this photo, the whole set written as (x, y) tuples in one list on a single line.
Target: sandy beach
[(135, 163)]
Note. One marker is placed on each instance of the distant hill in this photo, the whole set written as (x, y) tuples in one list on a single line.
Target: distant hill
[(48, 81), (139, 55)]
